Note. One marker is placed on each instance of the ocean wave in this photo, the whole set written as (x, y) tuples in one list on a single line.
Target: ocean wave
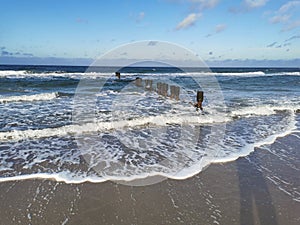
[(28, 74), (162, 120), (77, 177), (91, 75), (23, 98), (286, 74), (256, 73), (263, 110), (4, 73), (237, 143)]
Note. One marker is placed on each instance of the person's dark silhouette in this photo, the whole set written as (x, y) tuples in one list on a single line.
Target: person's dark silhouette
[(254, 192)]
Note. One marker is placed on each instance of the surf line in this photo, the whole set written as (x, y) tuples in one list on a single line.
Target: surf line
[(29, 98), (91, 127)]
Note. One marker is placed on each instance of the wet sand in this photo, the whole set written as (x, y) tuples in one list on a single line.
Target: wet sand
[(241, 192)]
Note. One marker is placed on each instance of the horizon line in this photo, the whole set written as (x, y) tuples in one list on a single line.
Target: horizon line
[(57, 61)]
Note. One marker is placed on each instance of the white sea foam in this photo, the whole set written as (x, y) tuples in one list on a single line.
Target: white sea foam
[(228, 152), (35, 97), (90, 74), (254, 110), (183, 173), (5, 73), (27, 74), (246, 150), (261, 110), (256, 73), (290, 128), (161, 120), (287, 73)]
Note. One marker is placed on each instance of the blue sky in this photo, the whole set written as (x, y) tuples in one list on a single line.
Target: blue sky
[(73, 31)]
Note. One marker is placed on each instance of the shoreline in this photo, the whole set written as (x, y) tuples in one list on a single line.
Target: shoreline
[(238, 192)]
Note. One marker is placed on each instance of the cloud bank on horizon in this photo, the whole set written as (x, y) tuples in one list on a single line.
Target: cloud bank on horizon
[(239, 32)]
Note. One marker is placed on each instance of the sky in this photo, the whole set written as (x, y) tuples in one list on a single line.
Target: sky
[(221, 32)]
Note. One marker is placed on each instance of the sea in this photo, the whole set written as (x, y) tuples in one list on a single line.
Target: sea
[(78, 124)]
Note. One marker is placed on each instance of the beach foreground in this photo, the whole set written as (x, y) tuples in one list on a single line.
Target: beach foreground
[(63, 127), (239, 192)]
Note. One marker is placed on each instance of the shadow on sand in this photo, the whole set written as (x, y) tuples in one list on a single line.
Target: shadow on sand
[(255, 199)]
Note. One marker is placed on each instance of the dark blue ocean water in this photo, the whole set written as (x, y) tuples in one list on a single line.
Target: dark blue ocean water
[(65, 123)]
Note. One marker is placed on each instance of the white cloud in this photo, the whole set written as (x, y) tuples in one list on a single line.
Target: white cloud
[(137, 17), (199, 4), (248, 5), (205, 4), (287, 15), (287, 6), (220, 27), (188, 21), (255, 3), (196, 6), (280, 18)]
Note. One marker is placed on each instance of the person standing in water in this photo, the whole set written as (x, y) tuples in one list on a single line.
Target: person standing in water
[(198, 104), (118, 75)]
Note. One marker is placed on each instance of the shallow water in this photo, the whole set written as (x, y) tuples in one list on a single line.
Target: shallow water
[(75, 127)]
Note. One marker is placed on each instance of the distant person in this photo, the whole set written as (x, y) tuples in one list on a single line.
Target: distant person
[(118, 74), (198, 104)]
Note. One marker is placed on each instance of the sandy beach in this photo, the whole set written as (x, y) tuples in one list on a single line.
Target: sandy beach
[(238, 192), (159, 112)]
